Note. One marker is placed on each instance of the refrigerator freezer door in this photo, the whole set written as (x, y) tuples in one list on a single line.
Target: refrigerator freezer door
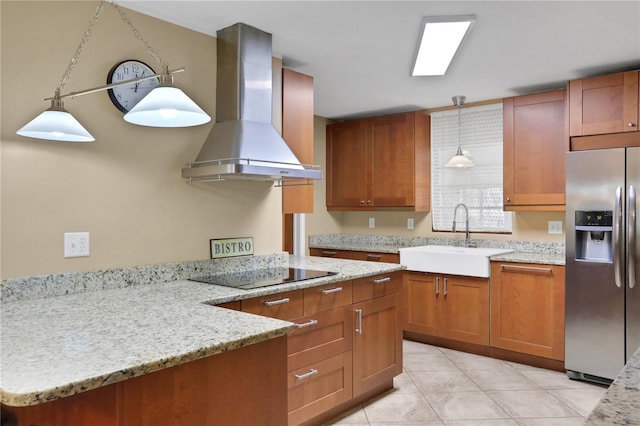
[(595, 306), (633, 252)]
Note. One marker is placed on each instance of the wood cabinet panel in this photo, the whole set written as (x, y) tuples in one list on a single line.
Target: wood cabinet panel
[(297, 131), (527, 308), (284, 306), (423, 309), (356, 255), (328, 296), (376, 286), (379, 163), (604, 104), (534, 164), (377, 343)]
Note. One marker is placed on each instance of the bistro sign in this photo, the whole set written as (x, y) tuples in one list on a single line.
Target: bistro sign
[(230, 247)]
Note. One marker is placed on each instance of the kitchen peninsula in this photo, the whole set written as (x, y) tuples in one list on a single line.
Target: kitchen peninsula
[(76, 344)]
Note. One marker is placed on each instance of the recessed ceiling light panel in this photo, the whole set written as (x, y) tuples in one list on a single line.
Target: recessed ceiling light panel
[(441, 37)]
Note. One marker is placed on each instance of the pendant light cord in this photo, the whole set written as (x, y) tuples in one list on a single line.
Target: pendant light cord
[(89, 32)]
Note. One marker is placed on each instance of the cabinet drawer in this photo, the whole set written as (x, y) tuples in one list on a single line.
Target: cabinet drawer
[(319, 387), (320, 336), (376, 286), (326, 297), (284, 306)]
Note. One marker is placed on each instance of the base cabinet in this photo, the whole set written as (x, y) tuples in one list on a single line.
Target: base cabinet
[(527, 308), (448, 306)]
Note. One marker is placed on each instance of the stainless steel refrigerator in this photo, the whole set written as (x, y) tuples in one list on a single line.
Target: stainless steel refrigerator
[(602, 308)]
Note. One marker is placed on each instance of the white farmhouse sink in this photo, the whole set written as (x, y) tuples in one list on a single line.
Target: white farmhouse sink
[(473, 262)]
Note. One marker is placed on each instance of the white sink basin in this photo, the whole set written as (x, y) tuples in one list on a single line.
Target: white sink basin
[(473, 262)]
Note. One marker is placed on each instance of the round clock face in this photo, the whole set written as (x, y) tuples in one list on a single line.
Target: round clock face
[(127, 96)]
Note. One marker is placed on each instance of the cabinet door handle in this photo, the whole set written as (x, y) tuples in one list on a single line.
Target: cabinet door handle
[(328, 253), (445, 287), (277, 302), (331, 290), (359, 319), (526, 269), (631, 125), (305, 375), (374, 256), (307, 324), (381, 280), (437, 286)]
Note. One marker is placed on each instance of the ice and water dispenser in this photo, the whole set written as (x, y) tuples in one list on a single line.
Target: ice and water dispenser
[(594, 231)]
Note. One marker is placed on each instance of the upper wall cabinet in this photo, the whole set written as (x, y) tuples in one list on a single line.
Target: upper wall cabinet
[(604, 111), (297, 131), (604, 104), (379, 163), (535, 142)]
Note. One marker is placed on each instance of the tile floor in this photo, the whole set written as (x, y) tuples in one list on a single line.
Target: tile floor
[(440, 386)]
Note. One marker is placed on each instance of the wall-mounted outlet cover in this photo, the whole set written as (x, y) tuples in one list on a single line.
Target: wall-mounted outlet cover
[(76, 244), (555, 227), (410, 223), (372, 222)]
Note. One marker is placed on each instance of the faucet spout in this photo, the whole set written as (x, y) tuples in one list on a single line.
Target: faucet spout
[(467, 240)]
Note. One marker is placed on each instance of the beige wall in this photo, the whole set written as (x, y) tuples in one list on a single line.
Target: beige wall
[(125, 188), (530, 226)]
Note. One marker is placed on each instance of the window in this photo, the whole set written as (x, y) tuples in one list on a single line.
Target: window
[(479, 187)]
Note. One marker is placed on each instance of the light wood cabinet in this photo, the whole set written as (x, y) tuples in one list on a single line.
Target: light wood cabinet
[(527, 308), (604, 104), (356, 255), (449, 306), (379, 163), (535, 142)]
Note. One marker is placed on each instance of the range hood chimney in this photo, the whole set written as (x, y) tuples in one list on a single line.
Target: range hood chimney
[(243, 143)]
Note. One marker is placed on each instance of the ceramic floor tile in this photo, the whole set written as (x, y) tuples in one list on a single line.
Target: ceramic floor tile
[(465, 406), (467, 361), (492, 422), (404, 384), (502, 379), (580, 400), (558, 421), (353, 417), (531, 403), (396, 407), (438, 382), (548, 379), (427, 362), (421, 348), (424, 423)]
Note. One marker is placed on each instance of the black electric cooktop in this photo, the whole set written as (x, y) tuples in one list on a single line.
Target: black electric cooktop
[(262, 277)]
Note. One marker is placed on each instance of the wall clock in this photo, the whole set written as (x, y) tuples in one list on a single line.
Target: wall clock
[(127, 96)]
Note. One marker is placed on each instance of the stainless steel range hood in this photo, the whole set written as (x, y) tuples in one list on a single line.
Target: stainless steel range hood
[(243, 144)]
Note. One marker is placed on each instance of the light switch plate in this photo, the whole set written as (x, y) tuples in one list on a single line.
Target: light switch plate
[(410, 223), (372, 222), (555, 227)]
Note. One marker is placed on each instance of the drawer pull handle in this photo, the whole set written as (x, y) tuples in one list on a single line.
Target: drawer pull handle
[(307, 324), (277, 302), (381, 280), (328, 253), (359, 315), (331, 290), (527, 269), (305, 375), (374, 256)]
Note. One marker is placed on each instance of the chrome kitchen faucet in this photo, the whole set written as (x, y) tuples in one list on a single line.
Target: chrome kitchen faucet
[(467, 240)]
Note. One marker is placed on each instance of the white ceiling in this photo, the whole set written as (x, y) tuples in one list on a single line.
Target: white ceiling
[(360, 53)]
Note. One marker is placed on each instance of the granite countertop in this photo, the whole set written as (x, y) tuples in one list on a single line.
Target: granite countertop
[(355, 246), (59, 346), (527, 257), (620, 405)]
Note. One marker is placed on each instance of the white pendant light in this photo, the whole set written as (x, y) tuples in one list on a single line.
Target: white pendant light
[(56, 124), (167, 106), (459, 160)]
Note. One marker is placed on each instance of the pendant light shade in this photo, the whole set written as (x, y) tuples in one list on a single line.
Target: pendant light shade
[(167, 106), (460, 160), (56, 124)]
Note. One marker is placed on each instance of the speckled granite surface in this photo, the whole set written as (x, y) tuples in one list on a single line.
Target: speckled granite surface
[(524, 251), (620, 405), (59, 346)]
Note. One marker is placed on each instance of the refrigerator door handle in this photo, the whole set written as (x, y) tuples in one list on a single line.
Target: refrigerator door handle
[(617, 246), (631, 237)]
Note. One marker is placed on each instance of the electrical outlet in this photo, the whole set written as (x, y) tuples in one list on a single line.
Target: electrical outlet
[(372, 222), (555, 227), (410, 223), (76, 244)]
